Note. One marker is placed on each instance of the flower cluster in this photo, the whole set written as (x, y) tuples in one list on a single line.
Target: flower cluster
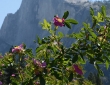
[(18, 49), (39, 66), (58, 21)]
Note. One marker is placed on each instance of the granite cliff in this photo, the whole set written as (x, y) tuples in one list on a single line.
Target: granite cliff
[(23, 26)]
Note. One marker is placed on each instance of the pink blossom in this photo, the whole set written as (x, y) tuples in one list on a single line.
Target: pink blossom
[(77, 69), (1, 83), (58, 21), (37, 83), (1, 56), (3, 64), (18, 49), (39, 64), (25, 58), (43, 64), (105, 27), (13, 75)]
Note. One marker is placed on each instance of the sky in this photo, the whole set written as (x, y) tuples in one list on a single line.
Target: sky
[(11, 6), (8, 6)]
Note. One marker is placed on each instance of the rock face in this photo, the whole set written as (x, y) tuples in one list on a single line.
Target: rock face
[(23, 26)]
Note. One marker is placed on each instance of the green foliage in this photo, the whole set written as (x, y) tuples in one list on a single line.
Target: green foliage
[(55, 64)]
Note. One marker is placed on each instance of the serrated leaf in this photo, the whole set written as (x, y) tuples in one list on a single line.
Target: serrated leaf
[(65, 14)]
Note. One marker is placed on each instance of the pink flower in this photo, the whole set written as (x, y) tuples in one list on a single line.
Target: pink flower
[(25, 58), (36, 62), (105, 27), (43, 64), (77, 69), (39, 64), (3, 64), (13, 75), (58, 21), (18, 49), (1, 56), (1, 83), (37, 83)]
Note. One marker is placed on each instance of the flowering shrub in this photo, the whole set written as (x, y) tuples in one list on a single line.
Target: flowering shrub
[(55, 64)]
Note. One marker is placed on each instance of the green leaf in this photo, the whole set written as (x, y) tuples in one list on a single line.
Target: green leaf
[(80, 60), (75, 58), (92, 60), (46, 25), (78, 35), (42, 80), (70, 77), (39, 40), (93, 34), (65, 14), (60, 34), (91, 38), (100, 72), (107, 64), (100, 17), (91, 11), (103, 9), (56, 74), (85, 25), (67, 24), (72, 21), (81, 55), (29, 52), (42, 47)]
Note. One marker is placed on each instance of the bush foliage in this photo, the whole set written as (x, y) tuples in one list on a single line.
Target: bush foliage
[(55, 64)]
